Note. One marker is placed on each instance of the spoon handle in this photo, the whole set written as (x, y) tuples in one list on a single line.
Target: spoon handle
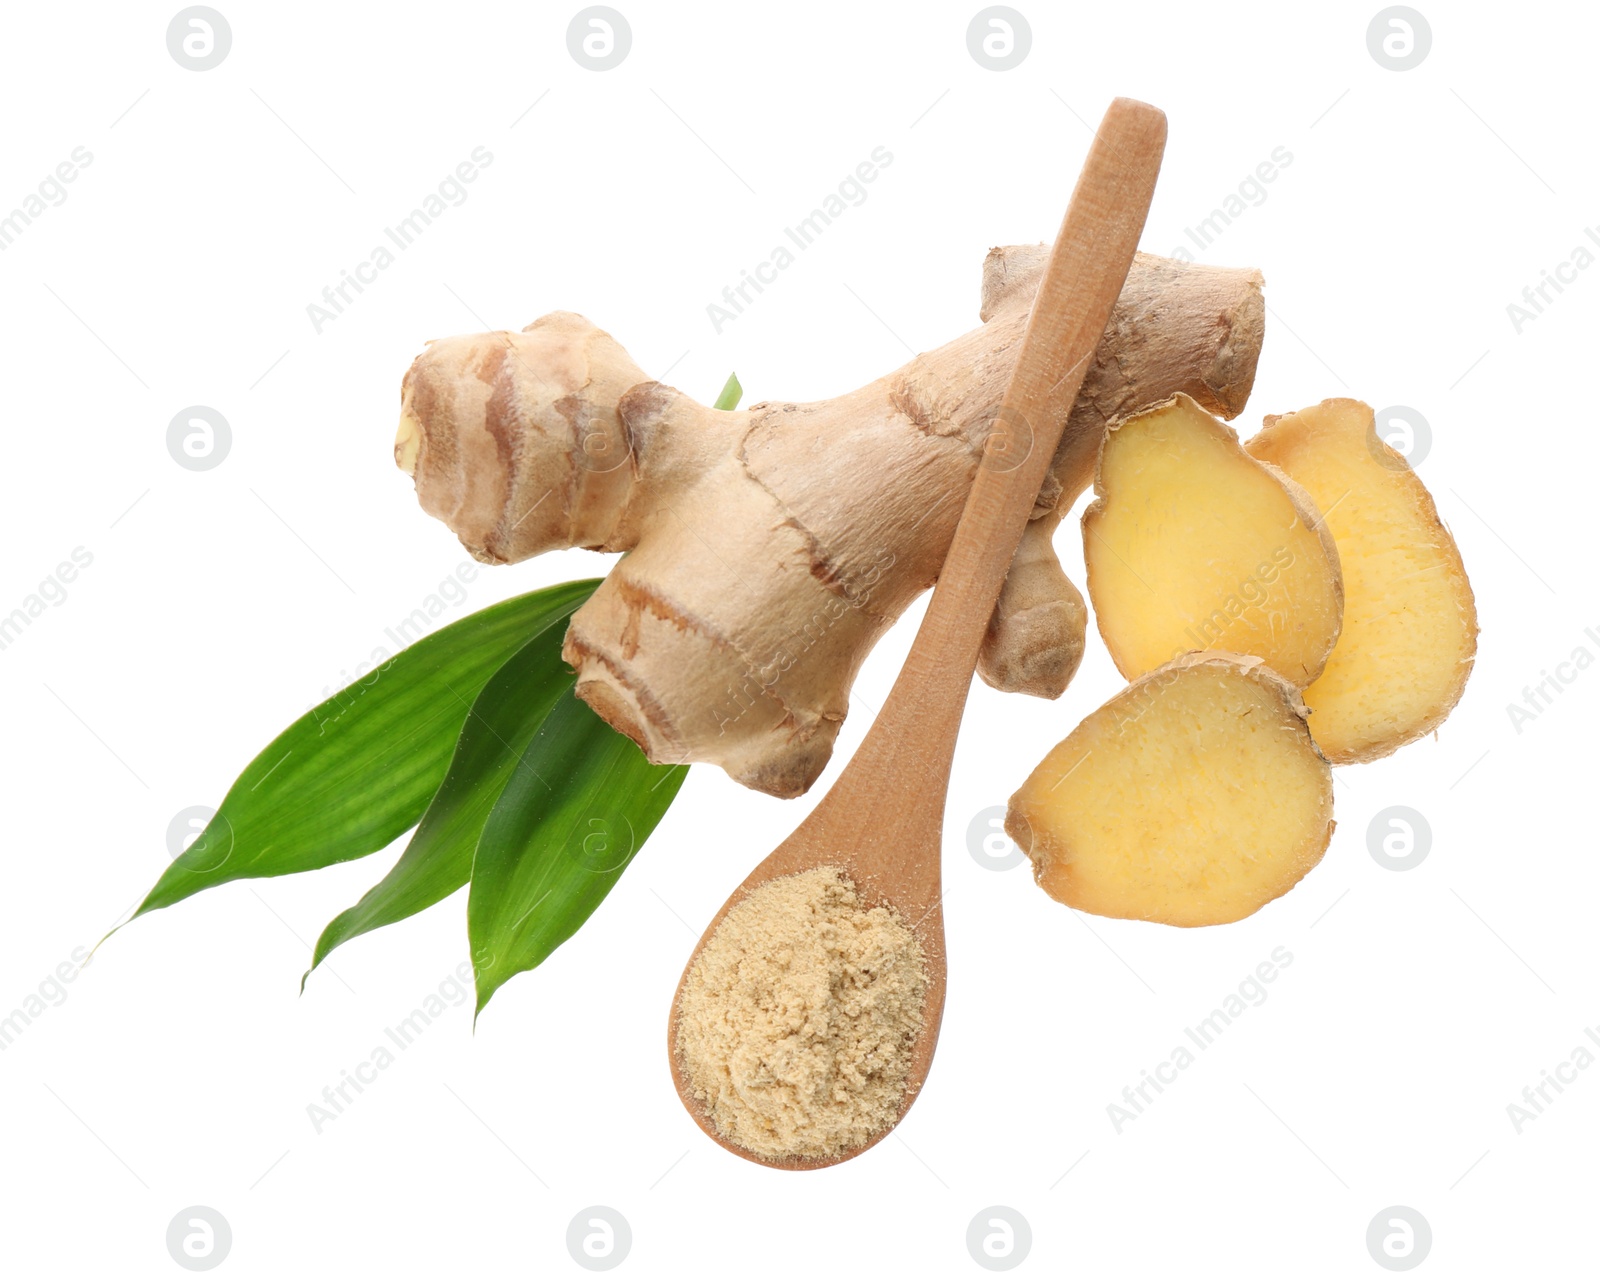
[(913, 737)]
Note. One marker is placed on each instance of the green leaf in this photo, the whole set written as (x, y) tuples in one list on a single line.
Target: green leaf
[(357, 771), (438, 860), (581, 803), (732, 393)]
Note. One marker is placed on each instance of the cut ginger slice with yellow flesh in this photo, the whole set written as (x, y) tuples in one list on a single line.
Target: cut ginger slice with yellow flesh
[(1410, 623), (1193, 545), (1194, 796)]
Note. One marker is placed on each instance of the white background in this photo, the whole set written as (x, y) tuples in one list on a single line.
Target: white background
[(220, 605)]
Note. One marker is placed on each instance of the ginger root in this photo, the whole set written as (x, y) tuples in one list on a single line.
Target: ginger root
[(770, 548), (1410, 623), (1194, 796), (1193, 545)]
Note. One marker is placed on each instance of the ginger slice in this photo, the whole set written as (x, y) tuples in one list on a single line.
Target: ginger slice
[(1193, 545), (1410, 624), (1194, 796)]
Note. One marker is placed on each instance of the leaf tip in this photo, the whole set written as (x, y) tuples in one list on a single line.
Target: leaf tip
[(731, 394), (102, 941), (481, 1000)]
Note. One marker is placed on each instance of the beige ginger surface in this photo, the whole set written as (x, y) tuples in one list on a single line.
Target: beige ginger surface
[(771, 547), (1193, 545), (797, 1020), (1194, 796), (1410, 621)]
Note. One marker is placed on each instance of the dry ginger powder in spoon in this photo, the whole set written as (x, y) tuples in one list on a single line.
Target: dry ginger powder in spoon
[(797, 1021)]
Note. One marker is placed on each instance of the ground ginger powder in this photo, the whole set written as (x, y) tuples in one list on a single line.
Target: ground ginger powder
[(797, 1021)]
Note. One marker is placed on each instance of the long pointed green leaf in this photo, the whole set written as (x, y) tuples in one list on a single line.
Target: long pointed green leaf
[(354, 773), (576, 811), (438, 860)]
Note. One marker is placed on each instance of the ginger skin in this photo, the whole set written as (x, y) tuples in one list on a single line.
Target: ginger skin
[(771, 547)]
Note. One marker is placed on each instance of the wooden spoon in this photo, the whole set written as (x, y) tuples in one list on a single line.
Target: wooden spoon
[(881, 823)]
